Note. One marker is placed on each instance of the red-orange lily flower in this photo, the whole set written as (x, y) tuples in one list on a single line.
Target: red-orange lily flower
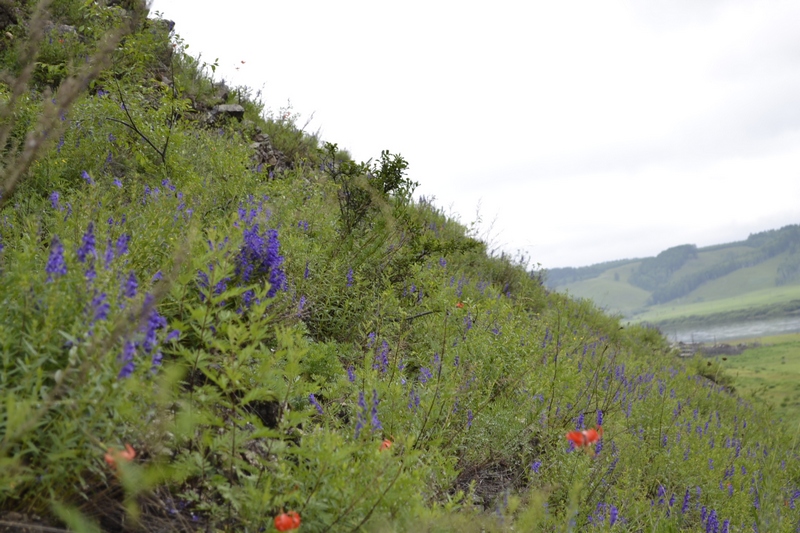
[(586, 439), (113, 455), (386, 444), (287, 521)]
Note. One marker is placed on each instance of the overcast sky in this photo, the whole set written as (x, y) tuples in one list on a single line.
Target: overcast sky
[(582, 131)]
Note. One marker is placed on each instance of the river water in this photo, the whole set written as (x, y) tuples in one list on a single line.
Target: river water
[(733, 331)]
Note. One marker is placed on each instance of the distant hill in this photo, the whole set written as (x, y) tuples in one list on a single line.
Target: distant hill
[(759, 276)]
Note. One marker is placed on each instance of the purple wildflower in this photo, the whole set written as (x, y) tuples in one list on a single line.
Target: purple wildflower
[(376, 424), (155, 361), (108, 257), (259, 256), (173, 335), (154, 322), (536, 466), (54, 197), (469, 418), (382, 358), (685, 506), (351, 374), (425, 375), (100, 307), (315, 403), (413, 399), (122, 244), (129, 289), (350, 277), (90, 273), (85, 175), (599, 417), (117, 183), (127, 359), (613, 515), (55, 263), (712, 524), (87, 248)]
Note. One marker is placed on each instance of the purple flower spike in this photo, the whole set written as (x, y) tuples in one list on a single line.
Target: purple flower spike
[(100, 307), (315, 403), (87, 248), (108, 257), (122, 244), (376, 424), (129, 290), (127, 359), (55, 264)]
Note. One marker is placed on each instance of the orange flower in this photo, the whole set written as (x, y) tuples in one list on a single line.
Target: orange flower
[(386, 444), (460, 305), (586, 439), (287, 521), (114, 455)]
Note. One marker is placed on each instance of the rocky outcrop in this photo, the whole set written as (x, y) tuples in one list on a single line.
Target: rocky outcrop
[(266, 157)]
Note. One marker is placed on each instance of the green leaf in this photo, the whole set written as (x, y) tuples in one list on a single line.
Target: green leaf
[(74, 519)]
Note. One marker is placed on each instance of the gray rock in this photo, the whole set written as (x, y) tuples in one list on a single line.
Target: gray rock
[(231, 110)]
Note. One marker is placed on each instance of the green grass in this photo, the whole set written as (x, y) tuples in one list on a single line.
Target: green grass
[(616, 296), (741, 290), (770, 373), (256, 340), (745, 280), (759, 298)]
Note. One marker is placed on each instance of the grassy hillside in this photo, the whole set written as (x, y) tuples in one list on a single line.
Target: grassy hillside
[(756, 277), (212, 321), (770, 373)]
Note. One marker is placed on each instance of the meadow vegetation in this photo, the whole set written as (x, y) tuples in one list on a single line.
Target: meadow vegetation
[(192, 340), (769, 372), (754, 279)]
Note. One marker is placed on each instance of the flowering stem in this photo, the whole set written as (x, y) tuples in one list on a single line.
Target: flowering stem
[(380, 498), (367, 488), (555, 366), (438, 385)]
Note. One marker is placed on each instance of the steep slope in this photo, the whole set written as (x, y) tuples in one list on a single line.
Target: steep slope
[(199, 335)]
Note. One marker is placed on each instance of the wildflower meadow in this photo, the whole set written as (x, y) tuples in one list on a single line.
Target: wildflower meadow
[(196, 340)]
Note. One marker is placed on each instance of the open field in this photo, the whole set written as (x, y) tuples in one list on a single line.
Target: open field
[(759, 298), (770, 373)]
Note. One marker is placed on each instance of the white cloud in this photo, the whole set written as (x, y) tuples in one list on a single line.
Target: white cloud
[(589, 130)]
